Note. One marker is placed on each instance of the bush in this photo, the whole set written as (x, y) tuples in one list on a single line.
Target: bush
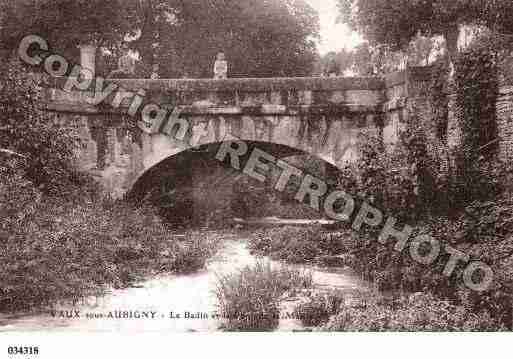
[(417, 313), (62, 249), (393, 181), (411, 183), (483, 231), (249, 299), (47, 148), (296, 244), (58, 240), (318, 309)]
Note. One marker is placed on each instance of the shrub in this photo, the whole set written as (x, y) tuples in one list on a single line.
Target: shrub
[(371, 169), (26, 129), (18, 197), (59, 241), (393, 181), (249, 299), (410, 183), (483, 231), (438, 90), (416, 313), (251, 198)]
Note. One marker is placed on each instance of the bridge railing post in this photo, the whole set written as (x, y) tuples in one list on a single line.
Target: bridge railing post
[(88, 60)]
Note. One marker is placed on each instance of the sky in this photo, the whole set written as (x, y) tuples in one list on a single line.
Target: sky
[(333, 36)]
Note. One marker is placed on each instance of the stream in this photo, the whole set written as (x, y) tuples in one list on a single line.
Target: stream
[(172, 303)]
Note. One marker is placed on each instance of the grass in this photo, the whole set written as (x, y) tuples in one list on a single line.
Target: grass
[(249, 299), (297, 244)]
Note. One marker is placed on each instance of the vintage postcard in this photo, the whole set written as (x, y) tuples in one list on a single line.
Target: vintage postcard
[(287, 166)]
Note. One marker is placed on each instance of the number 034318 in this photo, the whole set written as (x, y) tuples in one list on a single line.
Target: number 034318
[(21, 350)]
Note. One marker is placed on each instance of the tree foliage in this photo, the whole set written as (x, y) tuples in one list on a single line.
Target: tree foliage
[(65, 24), (260, 38), (421, 50), (370, 59)]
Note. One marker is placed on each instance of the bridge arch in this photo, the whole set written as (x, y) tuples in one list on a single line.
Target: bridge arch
[(206, 173), (332, 140)]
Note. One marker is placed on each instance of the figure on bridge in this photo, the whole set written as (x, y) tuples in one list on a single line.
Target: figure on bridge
[(220, 67), (155, 72)]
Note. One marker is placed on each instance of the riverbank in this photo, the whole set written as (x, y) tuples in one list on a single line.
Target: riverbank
[(56, 249)]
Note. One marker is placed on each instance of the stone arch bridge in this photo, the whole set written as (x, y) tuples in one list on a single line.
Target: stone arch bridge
[(318, 116)]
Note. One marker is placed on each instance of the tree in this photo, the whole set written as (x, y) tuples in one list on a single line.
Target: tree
[(372, 60), (259, 38), (65, 24), (396, 22)]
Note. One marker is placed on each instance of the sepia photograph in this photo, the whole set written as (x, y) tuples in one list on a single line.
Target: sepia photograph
[(222, 167)]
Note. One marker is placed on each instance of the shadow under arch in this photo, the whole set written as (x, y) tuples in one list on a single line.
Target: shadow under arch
[(175, 176)]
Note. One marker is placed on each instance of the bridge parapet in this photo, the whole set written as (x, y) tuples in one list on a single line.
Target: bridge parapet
[(234, 95)]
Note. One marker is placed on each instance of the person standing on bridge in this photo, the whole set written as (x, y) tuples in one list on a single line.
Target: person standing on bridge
[(220, 67), (155, 72)]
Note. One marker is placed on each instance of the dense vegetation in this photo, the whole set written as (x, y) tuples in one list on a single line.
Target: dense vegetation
[(319, 308), (63, 248), (259, 38), (396, 22), (296, 244), (456, 195), (415, 313), (60, 240), (231, 194), (249, 299)]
